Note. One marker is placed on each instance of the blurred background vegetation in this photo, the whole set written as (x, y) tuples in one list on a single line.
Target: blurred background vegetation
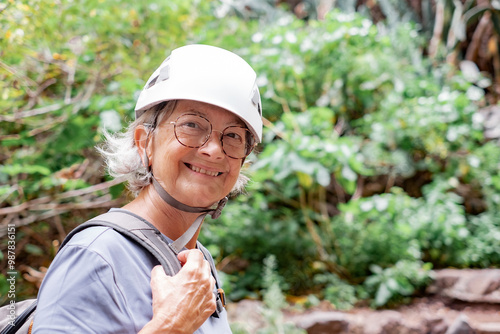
[(380, 155)]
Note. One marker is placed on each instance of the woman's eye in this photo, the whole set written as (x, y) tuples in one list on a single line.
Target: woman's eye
[(233, 135), (191, 125)]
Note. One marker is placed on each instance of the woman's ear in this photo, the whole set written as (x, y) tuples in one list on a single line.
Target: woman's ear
[(141, 138)]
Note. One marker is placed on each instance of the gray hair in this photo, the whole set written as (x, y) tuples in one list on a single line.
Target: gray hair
[(122, 157)]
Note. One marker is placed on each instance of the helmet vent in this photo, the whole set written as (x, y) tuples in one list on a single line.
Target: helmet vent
[(256, 100), (152, 82), (164, 73)]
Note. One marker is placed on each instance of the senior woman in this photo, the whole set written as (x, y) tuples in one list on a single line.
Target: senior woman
[(197, 119)]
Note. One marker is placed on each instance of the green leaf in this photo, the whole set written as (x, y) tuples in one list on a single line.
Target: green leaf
[(323, 176), (376, 269), (383, 295), (305, 180), (392, 284), (33, 249), (17, 169), (117, 191), (349, 174)]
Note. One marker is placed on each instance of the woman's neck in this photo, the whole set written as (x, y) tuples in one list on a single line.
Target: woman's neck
[(167, 219)]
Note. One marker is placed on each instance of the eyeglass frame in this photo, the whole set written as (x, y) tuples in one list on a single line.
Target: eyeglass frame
[(250, 147)]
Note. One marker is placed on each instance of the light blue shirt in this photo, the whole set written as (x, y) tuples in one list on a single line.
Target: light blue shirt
[(100, 283)]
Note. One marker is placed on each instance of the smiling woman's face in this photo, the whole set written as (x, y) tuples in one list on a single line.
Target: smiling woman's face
[(195, 176)]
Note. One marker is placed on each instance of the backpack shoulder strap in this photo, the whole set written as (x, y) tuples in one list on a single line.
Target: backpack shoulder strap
[(138, 230), (24, 320), (220, 297)]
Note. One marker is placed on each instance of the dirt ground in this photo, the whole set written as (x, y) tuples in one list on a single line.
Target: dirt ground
[(433, 309), (435, 313)]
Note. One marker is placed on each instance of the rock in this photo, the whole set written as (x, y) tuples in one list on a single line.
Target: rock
[(484, 284), (444, 279), (461, 326), (474, 286), (386, 322), (247, 314), (321, 322), (488, 328), (463, 302), (436, 326)]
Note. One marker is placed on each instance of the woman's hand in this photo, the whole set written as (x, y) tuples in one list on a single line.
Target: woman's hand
[(182, 303)]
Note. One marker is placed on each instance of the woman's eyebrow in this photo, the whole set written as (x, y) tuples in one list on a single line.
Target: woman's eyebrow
[(196, 112), (234, 122)]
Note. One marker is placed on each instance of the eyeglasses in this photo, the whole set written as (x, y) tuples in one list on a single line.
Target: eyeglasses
[(194, 131)]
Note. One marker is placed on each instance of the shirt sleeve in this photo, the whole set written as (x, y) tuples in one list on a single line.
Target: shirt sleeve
[(80, 295)]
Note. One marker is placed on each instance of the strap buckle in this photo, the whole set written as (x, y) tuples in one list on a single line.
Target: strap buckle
[(222, 296), (218, 210), (221, 302)]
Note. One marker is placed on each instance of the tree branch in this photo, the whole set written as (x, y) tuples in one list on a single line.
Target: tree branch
[(36, 204)]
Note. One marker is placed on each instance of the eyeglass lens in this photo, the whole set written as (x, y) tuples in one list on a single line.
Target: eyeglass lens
[(195, 130)]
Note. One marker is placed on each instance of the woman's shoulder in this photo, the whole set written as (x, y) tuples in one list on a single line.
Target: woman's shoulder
[(95, 238), (90, 273), (88, 237), (109, 244)]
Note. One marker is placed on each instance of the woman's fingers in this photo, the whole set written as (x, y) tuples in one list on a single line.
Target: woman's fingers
[(187, 297), (197, 271)]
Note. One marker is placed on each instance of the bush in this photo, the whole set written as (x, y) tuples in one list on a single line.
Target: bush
[(373, 159), (391, 285), (339, 293)]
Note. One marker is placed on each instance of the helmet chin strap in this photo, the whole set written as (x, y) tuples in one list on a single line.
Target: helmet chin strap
[(213, 211)]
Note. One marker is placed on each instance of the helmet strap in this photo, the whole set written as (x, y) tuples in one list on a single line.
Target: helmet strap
[(213, 211)]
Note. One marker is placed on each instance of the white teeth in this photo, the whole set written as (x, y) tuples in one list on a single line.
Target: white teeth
[(203, 171)]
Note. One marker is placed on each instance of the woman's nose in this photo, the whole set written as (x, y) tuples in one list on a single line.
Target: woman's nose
[(213, 146)]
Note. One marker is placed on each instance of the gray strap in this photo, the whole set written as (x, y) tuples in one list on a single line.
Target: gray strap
[(218, 286), (138, 230), (146, 232), (179, 244), (208, 257), (171, 258), (175, 203)]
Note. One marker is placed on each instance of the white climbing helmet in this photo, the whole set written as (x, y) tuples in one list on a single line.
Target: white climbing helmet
[(206, 74)]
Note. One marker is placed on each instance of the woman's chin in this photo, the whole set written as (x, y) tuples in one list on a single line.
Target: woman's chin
[(207, 202), (201, 200)]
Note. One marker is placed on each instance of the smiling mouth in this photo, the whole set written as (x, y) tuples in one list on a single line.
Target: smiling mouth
[(203, 171)]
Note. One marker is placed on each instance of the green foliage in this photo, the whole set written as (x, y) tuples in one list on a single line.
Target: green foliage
[(480, 171), (67, 67), (483, 249), (384, 229), (352, 107), (303, 65), (4, 288), (397, 282), (238, 237), (339, 293), (310, 152), (274, 302)]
